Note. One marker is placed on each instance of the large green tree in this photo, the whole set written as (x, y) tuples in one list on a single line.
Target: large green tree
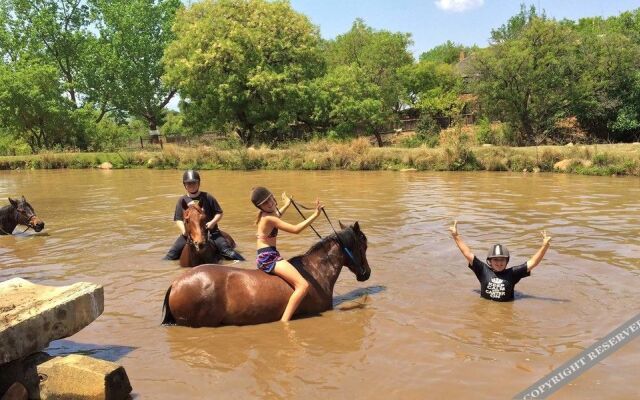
[(244, 65), (127, 57), (378, 55), (528, 76), (433, 88), (32, 107), (607, 103)]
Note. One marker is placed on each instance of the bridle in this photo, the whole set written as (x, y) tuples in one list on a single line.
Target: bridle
[(28, 216), (189, 238)]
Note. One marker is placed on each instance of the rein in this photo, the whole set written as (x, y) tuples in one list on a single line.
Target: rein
[(342, 245), (303, 217)]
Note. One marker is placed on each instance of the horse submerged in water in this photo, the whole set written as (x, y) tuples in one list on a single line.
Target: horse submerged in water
[(199, 249), (18, 212), (215, 295)]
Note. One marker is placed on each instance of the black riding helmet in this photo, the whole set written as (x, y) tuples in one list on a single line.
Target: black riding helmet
[(190, 176), (259, 195), (498, 251)]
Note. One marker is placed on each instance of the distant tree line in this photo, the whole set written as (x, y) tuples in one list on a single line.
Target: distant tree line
[(86, 74)]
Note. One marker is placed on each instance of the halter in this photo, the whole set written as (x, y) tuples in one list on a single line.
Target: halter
[(340, 242)]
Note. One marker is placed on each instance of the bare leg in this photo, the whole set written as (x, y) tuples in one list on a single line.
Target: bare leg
[(300, 286)]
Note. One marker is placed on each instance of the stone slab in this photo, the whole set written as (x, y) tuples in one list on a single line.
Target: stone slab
[(33, 315), (78, 377)]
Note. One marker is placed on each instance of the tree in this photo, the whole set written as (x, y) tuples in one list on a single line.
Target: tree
[(348, 102), (433, 88), (51, 30), (378, 55), (448, 53), (128, 56), (32, 107), (528, 77), (245, 64), (608, 100)]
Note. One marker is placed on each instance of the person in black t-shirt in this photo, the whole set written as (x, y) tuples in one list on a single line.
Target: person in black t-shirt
[(496, 280), (213, 211)]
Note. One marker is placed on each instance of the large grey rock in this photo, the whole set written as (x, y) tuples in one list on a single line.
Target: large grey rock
[(33, 315)]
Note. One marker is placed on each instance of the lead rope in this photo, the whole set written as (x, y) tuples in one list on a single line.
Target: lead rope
[(303, 217)]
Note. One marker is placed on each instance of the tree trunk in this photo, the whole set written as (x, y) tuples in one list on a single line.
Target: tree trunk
[(378, 138)]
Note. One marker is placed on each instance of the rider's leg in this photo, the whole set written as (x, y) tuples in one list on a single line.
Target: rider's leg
[(176, 249), (300, 287), (224, 248)]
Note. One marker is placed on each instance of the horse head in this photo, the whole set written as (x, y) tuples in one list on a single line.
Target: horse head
[(194, 224), (354, 245), (25, 215)]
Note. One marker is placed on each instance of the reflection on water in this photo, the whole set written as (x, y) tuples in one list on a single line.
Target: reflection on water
[(417, 329)]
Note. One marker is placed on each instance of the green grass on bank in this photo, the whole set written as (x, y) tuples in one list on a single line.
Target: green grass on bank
[(358, 154)]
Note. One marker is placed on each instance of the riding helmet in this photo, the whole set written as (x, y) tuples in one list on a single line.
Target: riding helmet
[(498, 251), (259, 195), (190, 176)]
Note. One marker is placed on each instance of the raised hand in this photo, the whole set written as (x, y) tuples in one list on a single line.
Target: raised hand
[(319, 205), (286, 198), (546, 239), (454, 229)]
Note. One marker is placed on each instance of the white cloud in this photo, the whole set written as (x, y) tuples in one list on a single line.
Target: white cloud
[(458, 5)]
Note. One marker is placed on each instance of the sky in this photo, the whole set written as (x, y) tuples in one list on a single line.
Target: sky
[(433, 22)]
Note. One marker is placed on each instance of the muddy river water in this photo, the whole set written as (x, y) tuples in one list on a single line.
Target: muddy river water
[(416, 329)]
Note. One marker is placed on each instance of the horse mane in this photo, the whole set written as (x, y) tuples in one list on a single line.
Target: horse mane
[(338, 237), (320, 243)]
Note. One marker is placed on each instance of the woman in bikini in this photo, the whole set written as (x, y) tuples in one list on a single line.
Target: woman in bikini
[(268, 259)]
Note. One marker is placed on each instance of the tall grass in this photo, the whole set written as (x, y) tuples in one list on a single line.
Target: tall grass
[(455, 152)]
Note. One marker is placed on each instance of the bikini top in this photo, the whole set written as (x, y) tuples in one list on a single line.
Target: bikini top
[(274, 233)]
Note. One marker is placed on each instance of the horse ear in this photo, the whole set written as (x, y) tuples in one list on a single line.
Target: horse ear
[(356, 226), (23, 199), (13, 202), (184, 204), (341, 225)]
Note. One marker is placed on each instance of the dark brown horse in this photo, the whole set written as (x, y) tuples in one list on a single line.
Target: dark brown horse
[(199, 250), (214, 295), (18, 212)]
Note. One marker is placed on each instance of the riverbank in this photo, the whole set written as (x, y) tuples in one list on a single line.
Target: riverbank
[(359, 154)]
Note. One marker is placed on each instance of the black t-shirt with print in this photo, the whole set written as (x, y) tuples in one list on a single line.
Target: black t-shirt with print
[(498, 286), (208, 203)]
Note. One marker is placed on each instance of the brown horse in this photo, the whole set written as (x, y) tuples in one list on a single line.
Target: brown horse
[(18, 212), (214, 295), (199, 250)]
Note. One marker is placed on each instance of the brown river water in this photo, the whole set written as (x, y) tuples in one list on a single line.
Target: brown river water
[(416, 329)]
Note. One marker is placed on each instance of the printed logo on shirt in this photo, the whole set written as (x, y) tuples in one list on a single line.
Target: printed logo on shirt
[(495, 288)]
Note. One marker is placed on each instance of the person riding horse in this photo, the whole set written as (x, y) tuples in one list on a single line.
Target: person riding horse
[(213, 212)]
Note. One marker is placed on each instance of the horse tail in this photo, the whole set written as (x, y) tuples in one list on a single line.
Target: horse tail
[(168, 318)]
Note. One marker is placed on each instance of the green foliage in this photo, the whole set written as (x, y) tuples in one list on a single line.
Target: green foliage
[(175, 125), (33, 107), (433, 88), (528, 80), (12, 146), (243, 62), (348, 102), (133, 35), (448, 53), (375, 59), (485, 134)]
